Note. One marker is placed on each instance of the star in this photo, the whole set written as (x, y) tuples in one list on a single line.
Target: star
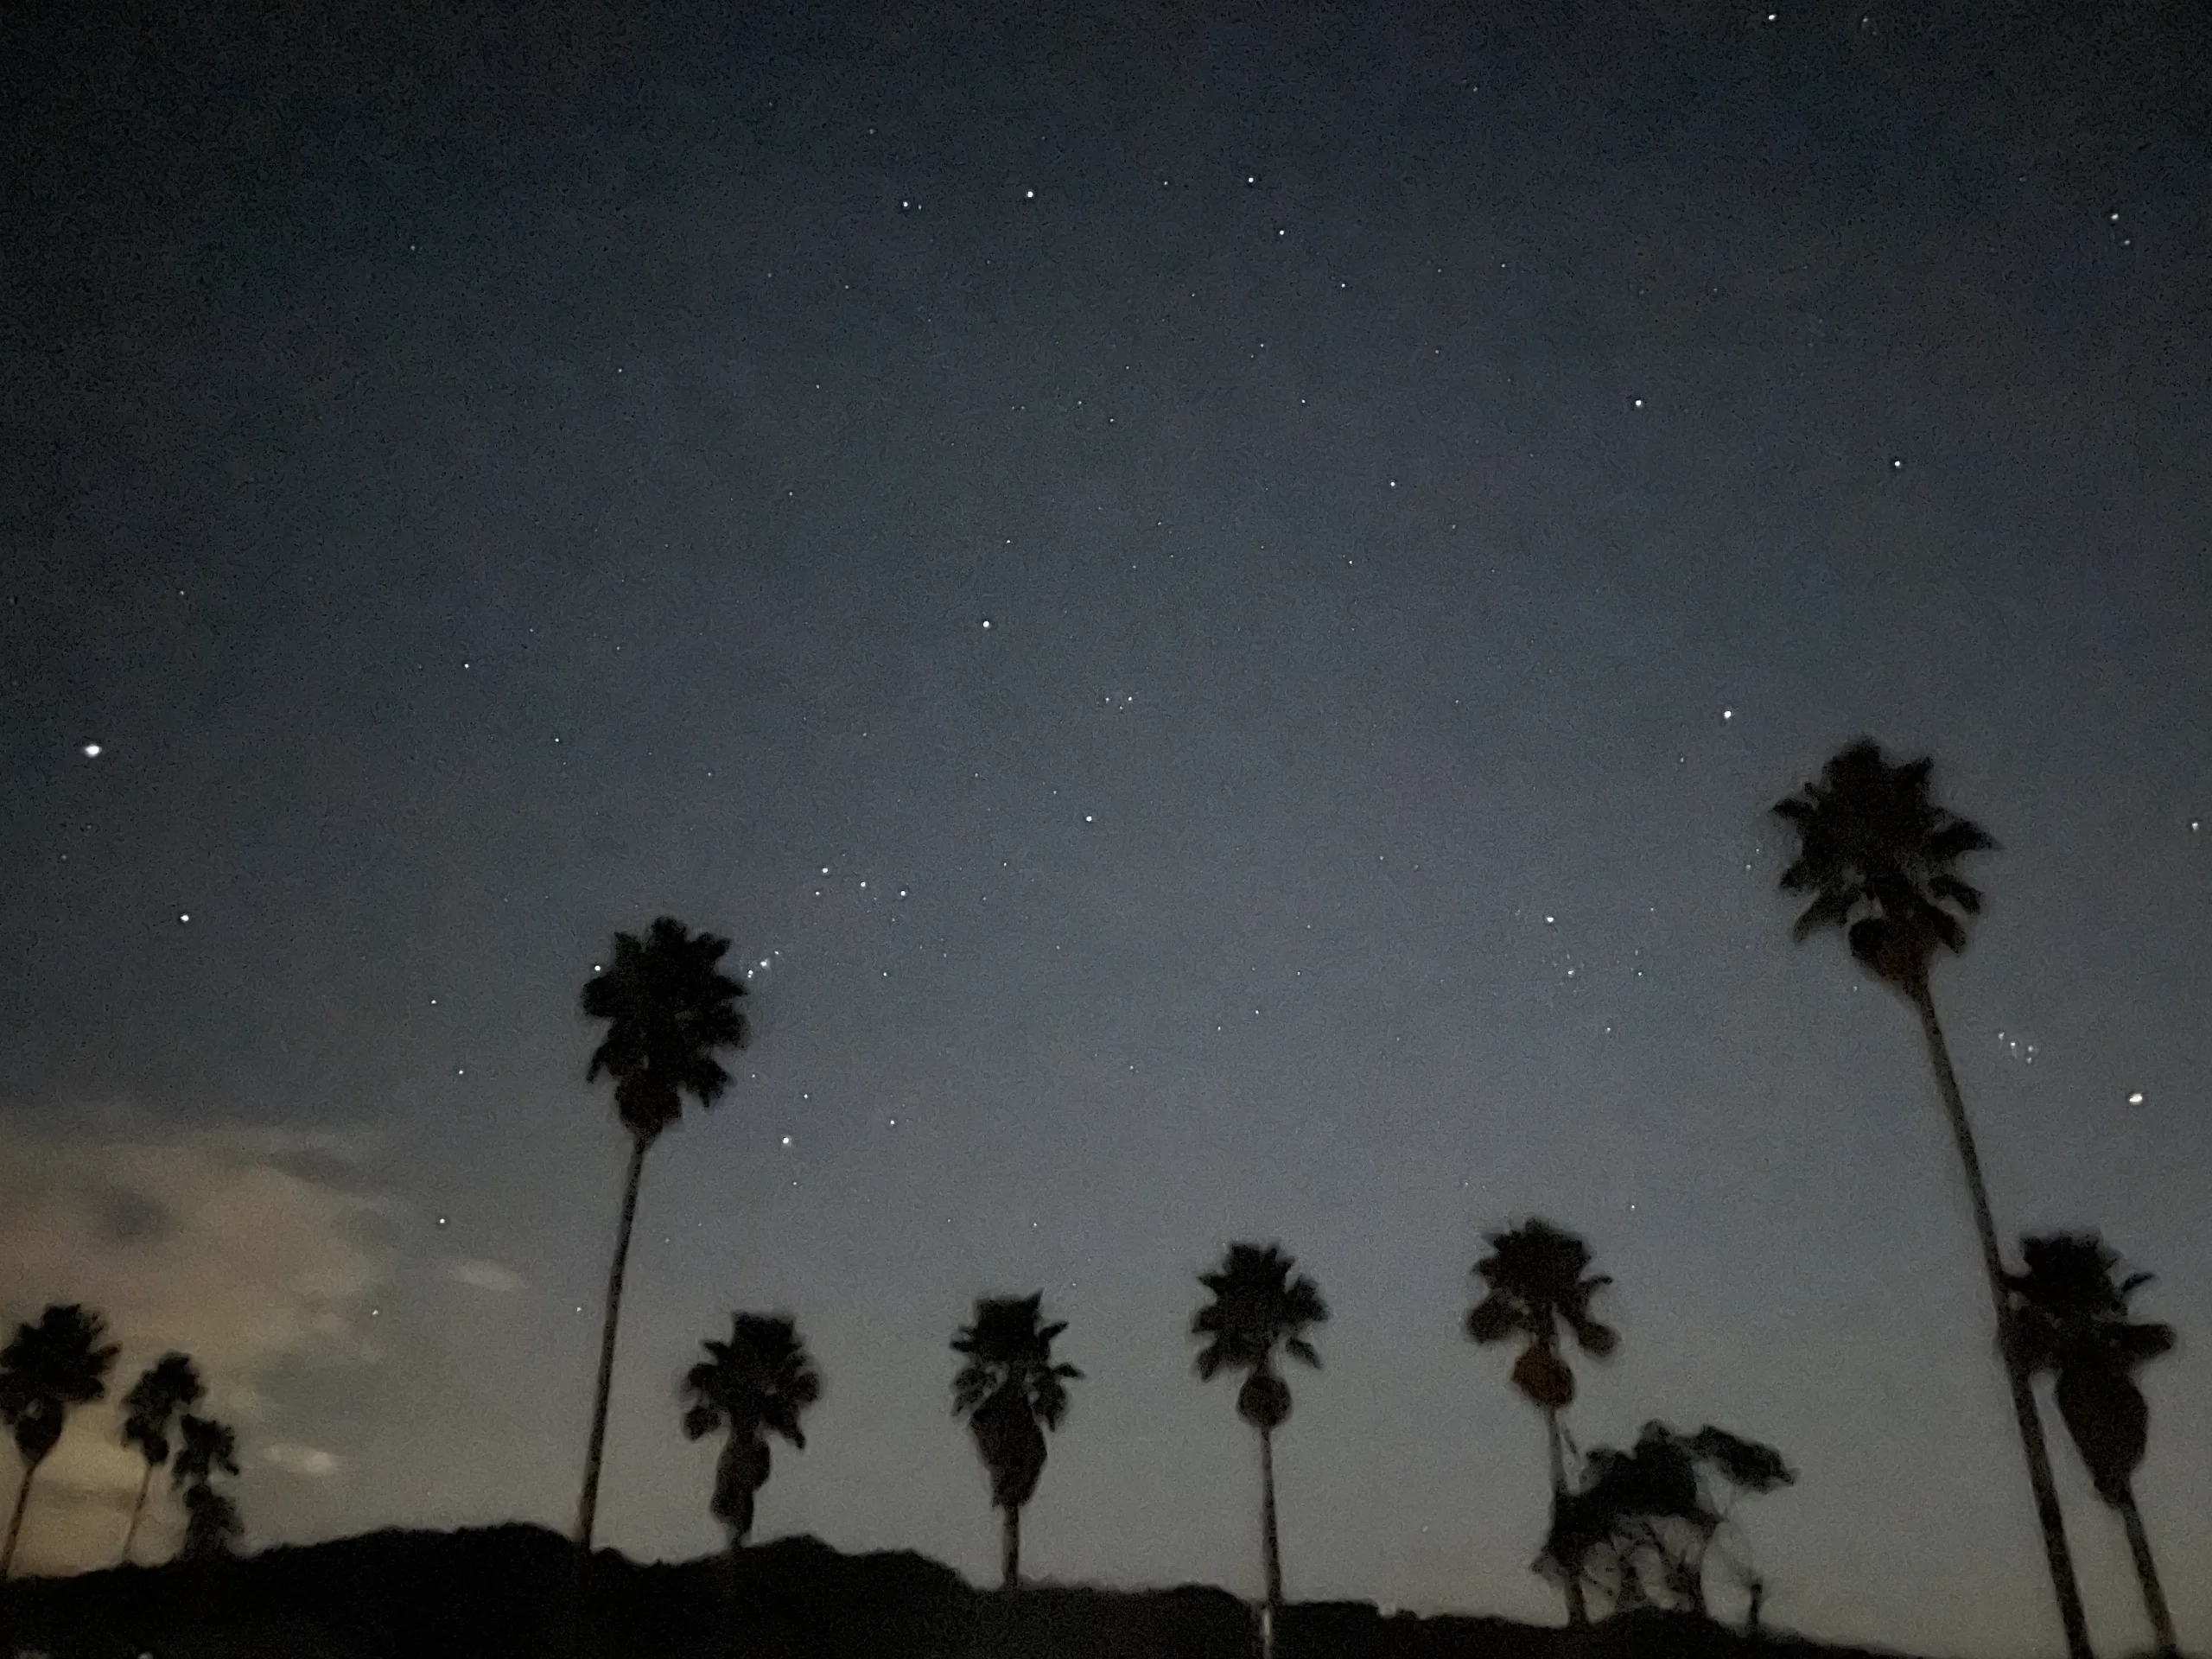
[(91, 751)]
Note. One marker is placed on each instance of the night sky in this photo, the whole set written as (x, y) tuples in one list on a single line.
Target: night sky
[(1215, 603)]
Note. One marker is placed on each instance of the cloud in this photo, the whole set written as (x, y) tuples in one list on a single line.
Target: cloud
[(251, 1254), (311, 1462), (486, 1275)]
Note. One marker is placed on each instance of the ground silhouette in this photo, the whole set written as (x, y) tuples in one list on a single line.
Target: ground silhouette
[(525, 1592)]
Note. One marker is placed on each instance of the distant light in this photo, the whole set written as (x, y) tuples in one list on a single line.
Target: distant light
[(1727, 714), (787, 1140), (2135, 1099), (92, 751), (184, 916), (987, 621), (1029, 195)]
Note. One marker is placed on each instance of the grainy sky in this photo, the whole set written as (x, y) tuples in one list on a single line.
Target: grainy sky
[(1214, 598)]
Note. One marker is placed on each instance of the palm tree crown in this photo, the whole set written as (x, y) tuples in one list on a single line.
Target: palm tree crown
[(1537, 1279), (2071, 1317), (1257, 1309), (1879, 860), (46, 1369), (668, 1008), (209, 1448), (1008, 1351), (757, 1383), (169, 1386)]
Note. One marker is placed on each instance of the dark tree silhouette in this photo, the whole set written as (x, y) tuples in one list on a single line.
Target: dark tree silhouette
[(1537, 1282), (758, 1383), (45, 1369), (2070, 1315), (1258, 1310), (668, 1010), (163, 1390), (1641, 1525), (1011, 1391), (207, 1449), (1880, 861)]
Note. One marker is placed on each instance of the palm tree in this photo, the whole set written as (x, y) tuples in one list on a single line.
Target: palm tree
[(46, 1369), (1644, 1519), (211, 1524), (2070, 1317), (166, 1387), (668, 1009), (1257, 1310), (755, 1384), (1011, 1391), (1880, 861), (1536, 1281)]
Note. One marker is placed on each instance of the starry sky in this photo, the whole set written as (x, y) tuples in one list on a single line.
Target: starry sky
[(1214, 599)]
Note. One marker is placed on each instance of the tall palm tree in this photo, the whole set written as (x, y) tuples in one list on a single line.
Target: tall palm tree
[(755, 1384), (46, 1369), (1537, 1281), (208, 1448), (163, 1390), (2070, 1317), (1258, 1310), (1880, 861), (1011, 1390), (668, 1010)]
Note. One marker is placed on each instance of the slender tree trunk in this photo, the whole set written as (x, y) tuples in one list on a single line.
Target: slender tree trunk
[(587, 1506), (2061, 1559), (130, 1532), (1010, 1551), (2154, 1594), (16, 1521), (1578, 1608), (1270, 1540)]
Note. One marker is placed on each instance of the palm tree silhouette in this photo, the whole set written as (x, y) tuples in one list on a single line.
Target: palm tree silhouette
[(1257, 1309), (46, 1369), (1644, 1519), (1536, 1279), (1011, 1391), (166, 1387), (668, 1009), (211, 1517), (755, 1384), (2070, 1317), (1880, 859)]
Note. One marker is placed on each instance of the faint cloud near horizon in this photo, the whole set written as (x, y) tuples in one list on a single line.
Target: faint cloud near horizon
[(248, 1251), (311, 1462)]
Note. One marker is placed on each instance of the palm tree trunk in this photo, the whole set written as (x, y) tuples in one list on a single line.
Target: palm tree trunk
[(2060, 1559), (16, 1521), (1267, 1535), (1578, 1608), (1010, 1550), (2154, 1594), (130, 1532), (587, 1506)]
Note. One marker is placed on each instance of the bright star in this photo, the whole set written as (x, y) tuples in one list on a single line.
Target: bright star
[(92, 751)]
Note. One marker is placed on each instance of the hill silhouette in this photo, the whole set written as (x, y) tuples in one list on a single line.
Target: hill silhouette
[(521, 1592)]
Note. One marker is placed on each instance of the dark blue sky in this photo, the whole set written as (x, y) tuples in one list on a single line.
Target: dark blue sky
[(1431, 478)]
